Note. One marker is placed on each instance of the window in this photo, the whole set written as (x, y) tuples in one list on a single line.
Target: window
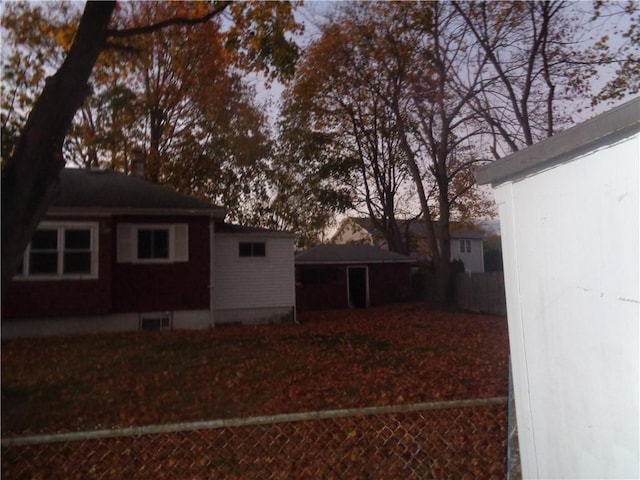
[(153, 243), (465, 246), (62, 250), (156, 321), (252, 249)]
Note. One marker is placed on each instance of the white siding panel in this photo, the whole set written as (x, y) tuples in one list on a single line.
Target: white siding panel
[(572, 270), (181, 242), (254, 282), (474, 260), (125, 246)]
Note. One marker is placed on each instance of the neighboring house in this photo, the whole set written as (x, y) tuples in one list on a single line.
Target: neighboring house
[(257, 283), (351, 276), (466, 243), (118, 253), (573, 296)]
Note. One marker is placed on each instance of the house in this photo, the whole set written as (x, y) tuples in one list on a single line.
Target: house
[(118, 253), (569, 211), (254, 275), (351, 276), (466, 242)]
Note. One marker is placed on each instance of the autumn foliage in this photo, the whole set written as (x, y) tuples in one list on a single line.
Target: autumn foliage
[(337, 359)]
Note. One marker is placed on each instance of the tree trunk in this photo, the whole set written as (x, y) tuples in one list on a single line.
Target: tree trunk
[(30, 179), (444, 285)]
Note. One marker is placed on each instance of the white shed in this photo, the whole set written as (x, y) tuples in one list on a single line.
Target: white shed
[(254, 275), (569, 216)]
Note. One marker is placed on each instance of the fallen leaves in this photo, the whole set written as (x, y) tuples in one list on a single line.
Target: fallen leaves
[(337, 359)]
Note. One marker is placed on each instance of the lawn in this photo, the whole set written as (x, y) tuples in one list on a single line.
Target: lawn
[(338, 359)]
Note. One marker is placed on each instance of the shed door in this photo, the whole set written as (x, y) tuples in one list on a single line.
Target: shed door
[(358, 287)]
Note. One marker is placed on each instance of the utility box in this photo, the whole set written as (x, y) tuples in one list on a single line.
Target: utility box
[(570, 223)]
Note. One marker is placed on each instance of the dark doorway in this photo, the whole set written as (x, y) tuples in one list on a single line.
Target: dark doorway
[(358, 287)]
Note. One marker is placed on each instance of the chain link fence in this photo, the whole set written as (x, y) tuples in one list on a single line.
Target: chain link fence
[(442, 440)]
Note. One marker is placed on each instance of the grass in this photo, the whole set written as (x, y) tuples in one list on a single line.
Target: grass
[(336, 359)]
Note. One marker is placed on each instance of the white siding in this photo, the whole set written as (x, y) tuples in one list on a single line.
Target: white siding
[(351, 232), (571, 238), (253, 282), (474, 260)]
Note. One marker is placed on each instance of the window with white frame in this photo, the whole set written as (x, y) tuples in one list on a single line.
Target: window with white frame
[(465, 246), (62, 250), (153, 243)]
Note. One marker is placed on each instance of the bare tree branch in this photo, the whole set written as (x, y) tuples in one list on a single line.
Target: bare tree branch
[(131, 32)]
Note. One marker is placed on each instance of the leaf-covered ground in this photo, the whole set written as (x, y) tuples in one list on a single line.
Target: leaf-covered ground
[(337, 359)]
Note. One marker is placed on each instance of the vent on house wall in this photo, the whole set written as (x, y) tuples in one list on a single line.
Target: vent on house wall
[(156, 321)]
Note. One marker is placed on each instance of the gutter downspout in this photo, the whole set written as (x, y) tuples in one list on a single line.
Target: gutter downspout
[(212, 250), (295, 296)]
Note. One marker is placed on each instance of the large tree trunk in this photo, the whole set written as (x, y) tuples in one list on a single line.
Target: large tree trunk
[(30, 177), (444, 281)]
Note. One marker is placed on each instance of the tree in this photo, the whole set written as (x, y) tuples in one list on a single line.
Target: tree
[(379, 82), (191, 140), (617, 48), (30, 175), (339, 94), (160, 97), (24, 70), (437, 76), (529, 47), (308, 181)]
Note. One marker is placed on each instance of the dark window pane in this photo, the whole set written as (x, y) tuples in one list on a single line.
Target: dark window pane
[(77, 239), (77, 262), (249, 249), (45, 240), (43, 263), (161, 244), (145, 244), (259, 249), (245, 249), (153, 244)]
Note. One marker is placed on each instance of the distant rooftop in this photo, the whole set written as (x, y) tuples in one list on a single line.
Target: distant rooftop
[(242, 229), (106, 190), (418, 227), (350, 254)]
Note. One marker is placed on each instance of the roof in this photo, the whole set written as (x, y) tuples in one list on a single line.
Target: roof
[(229, 228), (334, 254), (603, 129), (418, 227), (93, 190)]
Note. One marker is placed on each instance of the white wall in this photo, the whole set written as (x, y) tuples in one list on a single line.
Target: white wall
[(571, 241), (249, 283), (351, 232), (474, 260)]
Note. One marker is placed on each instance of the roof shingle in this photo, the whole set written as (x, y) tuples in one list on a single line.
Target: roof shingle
[(350, 254), (90, 189)]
